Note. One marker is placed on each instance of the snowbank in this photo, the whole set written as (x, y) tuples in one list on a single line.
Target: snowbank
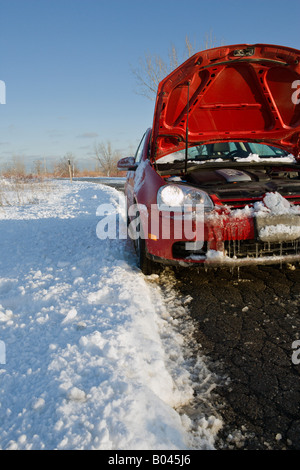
[(95, 352)]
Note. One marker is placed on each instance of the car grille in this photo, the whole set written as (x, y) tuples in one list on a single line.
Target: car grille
[(242, 248), (257, 249)]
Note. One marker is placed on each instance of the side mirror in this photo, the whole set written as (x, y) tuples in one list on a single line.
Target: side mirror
[(127, 163)]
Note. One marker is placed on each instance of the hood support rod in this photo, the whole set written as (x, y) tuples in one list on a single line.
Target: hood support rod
[(187, 127)]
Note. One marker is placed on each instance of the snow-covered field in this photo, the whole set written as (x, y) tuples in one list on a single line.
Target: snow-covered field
[(94, 354)]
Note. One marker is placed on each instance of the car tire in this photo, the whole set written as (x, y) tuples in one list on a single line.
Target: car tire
[(146, 265)]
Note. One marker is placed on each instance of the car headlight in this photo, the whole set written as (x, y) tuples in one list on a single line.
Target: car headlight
[(173, 198)]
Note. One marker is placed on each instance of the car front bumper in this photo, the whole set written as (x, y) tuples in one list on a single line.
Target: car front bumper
[(233, 241)]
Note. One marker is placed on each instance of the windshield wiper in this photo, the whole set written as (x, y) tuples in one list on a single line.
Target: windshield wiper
[(207, 158)]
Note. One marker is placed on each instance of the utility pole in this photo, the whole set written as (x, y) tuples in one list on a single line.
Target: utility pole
[(70, 170)]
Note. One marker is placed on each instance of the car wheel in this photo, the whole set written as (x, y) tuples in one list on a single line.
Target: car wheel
[(146, 265)]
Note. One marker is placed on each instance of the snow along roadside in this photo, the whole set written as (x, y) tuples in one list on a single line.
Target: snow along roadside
[(94, 352)]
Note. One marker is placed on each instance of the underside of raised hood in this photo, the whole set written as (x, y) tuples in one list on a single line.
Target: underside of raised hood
[(231, 93)]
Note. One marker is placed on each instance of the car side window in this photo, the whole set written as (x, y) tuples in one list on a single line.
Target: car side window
[(139, 151)]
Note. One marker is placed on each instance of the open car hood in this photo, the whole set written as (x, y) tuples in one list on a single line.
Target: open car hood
[(230, 93)]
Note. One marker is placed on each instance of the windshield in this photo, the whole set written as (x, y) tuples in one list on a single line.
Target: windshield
[(235, 151)]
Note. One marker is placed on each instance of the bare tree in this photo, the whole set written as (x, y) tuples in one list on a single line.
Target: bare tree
[(37, 167), (61, 168), (107, 158), (152, 68), (15, 168)]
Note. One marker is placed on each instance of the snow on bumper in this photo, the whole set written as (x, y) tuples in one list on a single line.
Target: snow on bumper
[(245, 240)]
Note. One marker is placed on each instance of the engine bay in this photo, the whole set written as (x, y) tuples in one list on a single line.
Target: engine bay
[(230, 183)]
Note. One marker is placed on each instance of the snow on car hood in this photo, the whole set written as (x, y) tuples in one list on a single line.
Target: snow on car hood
[(230, 93)]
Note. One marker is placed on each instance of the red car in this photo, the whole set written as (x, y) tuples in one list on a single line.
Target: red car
[(216, 181)]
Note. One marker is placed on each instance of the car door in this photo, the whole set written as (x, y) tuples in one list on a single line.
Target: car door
[(131, 173)]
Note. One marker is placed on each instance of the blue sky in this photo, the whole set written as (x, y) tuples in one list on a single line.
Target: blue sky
[(67, 64)]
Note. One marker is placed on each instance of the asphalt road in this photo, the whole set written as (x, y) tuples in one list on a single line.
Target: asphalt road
[(247, 321)]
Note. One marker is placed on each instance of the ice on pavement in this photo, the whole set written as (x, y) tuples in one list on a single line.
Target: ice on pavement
[(96, 355)]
